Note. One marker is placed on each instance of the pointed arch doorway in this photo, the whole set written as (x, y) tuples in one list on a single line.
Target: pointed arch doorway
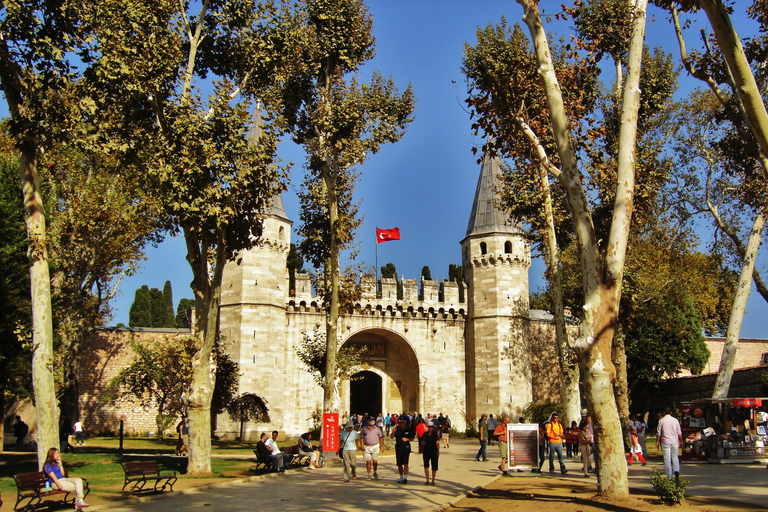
[(389, 378)]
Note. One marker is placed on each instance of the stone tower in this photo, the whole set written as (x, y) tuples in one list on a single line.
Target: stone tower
[(496, 259)]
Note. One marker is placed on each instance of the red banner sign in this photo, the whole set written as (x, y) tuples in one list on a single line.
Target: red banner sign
[(747, 402), (330, 432)]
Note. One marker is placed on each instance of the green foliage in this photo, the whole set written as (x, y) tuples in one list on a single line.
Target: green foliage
[(169, 318), (389, 271), (158, 376), (152, 308), (425, 273), (183, 313), (15, 308), (312, 352), (671, 492), (249, 407), (537, 412), (456, 274)]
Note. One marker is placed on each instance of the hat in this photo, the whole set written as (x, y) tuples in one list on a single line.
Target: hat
[(349, 425), (430, 423), (401, 419), (583, 412)]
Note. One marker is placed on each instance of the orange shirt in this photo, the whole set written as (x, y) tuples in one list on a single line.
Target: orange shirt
[(555, 432)]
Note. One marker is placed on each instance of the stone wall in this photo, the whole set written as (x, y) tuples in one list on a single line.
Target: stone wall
[(104, 354)]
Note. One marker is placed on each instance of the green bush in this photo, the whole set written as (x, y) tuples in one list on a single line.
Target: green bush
[(536, 412), (669, 491)]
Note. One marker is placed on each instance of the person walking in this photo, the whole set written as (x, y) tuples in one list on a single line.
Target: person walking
[(445, 432), (492, 424), (642, 428), (584, 446), (634, 447), (431, 452), (403, 435), (500, 433), (482, 430), (78, 426), (348, 442), (20, 430), (670, 437), (555, 437), (371, 443)]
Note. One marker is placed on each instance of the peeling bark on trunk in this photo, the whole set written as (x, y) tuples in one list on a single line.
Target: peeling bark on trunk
[(602, 275), (207, 290), (728, 358), (42, 318), (332, 320), (620, 387)]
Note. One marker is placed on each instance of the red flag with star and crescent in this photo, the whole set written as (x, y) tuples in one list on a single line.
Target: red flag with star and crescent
[(385, 235)]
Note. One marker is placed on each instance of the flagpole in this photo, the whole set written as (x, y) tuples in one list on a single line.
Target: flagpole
[(376, 276)]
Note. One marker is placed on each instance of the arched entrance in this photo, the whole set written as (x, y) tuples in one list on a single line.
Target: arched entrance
[(390, 374), (365, 393)]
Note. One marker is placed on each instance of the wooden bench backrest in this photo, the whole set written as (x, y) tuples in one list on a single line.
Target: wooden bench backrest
[(140, 468), (29, 481)]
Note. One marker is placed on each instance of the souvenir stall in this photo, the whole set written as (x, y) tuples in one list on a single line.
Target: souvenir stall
[(731, 430)]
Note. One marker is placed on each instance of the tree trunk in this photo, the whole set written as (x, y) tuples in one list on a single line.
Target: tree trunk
[(42, 317), (746, 86), (602, 280), (207, 295), (728, 358), (620, 387), (569, 386), (331, 325)]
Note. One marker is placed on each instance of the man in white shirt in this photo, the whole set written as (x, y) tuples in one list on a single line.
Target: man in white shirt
[(279, 460), (670, 437)]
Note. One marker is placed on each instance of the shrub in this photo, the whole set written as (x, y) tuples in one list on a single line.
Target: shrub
[(671, 492), (536, 412)]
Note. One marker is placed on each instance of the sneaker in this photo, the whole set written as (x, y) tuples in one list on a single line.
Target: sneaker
[(643, 464), (400, 480), (563, 471), (370, 478), (586, 475), (405, 480), (80, 504), (551, 471), (375, 475)]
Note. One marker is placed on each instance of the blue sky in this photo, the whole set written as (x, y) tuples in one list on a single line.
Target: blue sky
[(425, 183)]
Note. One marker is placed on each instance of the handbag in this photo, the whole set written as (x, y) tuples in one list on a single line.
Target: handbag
[(340, 453)]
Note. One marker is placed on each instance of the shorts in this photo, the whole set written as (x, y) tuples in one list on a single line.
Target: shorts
[(402, 456), (503, 449), (371, 452), (430, 457)]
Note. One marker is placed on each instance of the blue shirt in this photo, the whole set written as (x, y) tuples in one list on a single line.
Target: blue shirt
[(349, 440), (52, 468)]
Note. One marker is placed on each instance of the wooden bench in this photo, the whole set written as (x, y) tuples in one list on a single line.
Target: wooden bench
[(30, 487), (138, 474)]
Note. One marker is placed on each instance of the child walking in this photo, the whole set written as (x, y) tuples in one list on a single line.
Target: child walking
[(634, 447)]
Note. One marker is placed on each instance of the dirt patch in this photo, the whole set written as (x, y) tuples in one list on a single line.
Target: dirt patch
[(558, 495)]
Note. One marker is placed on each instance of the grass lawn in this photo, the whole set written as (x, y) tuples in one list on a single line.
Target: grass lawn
[(99, 463)]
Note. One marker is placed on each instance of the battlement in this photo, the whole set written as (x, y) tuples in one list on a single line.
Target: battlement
[(410, 304)]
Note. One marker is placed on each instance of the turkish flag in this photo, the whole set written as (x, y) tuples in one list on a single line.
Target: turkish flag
[(385, 235)]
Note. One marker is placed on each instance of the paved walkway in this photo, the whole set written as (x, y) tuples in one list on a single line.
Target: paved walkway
[(324, 490)]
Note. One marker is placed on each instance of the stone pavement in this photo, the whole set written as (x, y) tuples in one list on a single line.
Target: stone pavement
[(324, 489)]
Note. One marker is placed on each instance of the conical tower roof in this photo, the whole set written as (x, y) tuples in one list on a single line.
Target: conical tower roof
[(486, 218), (277, 208)]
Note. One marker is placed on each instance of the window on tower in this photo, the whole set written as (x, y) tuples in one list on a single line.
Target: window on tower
[(508, 247), (483, 248)]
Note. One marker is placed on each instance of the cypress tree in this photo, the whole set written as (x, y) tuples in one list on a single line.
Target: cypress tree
[(140, 313), (169, 317)]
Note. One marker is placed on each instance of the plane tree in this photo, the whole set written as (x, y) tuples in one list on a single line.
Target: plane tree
[(555, 135), (340, 121)]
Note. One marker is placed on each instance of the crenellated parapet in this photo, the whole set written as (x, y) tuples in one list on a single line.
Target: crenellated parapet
[(303, 300)]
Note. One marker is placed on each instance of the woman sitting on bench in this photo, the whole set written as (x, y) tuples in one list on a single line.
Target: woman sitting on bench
[(54, 469), (305, 450)]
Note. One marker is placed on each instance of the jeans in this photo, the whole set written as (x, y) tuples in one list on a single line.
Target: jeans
[(482, 450), (556, 448), (671, 462)]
